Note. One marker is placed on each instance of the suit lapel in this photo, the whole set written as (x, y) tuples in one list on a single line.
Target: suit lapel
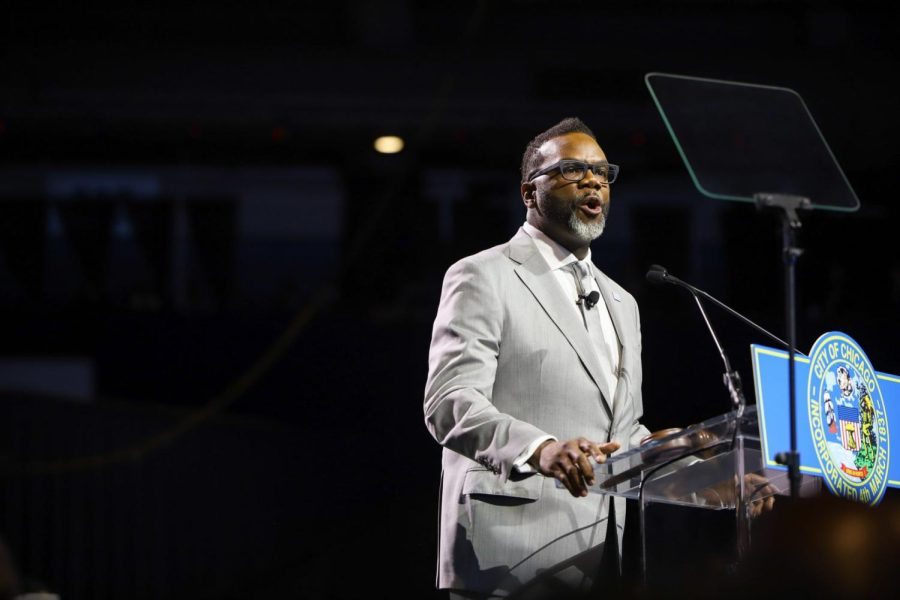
[(619, 319), (540, 280)]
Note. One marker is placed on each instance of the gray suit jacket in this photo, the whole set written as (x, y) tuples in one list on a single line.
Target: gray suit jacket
[(510, 362)]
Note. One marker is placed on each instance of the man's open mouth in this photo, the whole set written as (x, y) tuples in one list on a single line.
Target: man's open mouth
[(592, 206)]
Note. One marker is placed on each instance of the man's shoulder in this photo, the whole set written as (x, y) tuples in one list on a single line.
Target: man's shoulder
[(488, 259)]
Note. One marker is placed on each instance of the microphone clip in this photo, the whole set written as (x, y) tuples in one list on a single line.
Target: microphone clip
[(589, 300)]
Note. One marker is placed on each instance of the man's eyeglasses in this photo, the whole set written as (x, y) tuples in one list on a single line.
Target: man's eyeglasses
[(575, 170)]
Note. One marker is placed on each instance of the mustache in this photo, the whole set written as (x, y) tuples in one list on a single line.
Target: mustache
[(592, 196), (604, 204)]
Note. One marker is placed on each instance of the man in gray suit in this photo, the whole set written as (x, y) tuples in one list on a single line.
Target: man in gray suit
[(531, 378)]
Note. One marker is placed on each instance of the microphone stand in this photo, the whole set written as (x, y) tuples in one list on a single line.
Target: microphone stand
[(666, 277), (732, 380)]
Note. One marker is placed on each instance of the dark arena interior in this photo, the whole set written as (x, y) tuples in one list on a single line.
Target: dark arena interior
[(217, 296)]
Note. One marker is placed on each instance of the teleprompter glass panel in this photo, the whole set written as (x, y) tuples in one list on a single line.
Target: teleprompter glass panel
[(740, 139)]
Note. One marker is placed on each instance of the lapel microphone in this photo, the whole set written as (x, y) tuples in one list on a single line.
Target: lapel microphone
[(590, 300)]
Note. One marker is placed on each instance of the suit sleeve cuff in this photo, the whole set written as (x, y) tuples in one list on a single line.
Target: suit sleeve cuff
[(520, 464)]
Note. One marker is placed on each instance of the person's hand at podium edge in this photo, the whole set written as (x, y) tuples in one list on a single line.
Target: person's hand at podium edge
[(569, 462), (755, 485), (762, 493), (758, 486)]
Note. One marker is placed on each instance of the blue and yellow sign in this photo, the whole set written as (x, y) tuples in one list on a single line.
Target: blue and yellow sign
[(844, 416)]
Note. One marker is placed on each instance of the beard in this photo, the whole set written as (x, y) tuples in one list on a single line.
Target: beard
[(567, 217), (587, 232)]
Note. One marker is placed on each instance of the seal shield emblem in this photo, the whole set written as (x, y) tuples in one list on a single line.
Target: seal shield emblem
[(847, 419)]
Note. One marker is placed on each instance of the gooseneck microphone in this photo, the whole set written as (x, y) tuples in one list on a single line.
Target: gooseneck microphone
[(730, 378), (660, 275)]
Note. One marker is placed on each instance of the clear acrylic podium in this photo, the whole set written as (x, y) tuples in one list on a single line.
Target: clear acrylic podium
[(714, 465)]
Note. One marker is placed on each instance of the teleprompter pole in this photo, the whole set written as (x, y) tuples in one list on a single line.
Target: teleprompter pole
[(787, 206)]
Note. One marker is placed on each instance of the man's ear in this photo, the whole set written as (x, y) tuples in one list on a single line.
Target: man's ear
[(529, 194)]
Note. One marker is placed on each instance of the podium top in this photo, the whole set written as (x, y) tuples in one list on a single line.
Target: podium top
[(698, 466), (740, 139)]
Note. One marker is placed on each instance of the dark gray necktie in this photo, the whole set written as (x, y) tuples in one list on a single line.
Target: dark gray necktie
[(593, 322)]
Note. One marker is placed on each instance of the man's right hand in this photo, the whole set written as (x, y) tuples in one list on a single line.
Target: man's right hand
[(568, 462)]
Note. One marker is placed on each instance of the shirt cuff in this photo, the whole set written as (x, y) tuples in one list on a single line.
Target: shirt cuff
[(520, 464)]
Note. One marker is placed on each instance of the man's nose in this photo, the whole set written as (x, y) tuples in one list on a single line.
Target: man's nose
[(591, 179)]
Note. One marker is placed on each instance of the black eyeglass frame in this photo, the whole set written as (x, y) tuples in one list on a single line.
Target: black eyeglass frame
[(612, 170)]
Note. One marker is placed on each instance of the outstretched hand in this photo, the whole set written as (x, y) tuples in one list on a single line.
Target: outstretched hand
[(569, 462)]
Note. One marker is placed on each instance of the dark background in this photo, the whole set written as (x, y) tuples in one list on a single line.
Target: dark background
[(191, 206)]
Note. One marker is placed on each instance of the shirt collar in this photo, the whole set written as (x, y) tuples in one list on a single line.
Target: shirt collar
[(553, 252)]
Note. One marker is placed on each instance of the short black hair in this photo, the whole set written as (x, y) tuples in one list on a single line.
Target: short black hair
[(568, 125)]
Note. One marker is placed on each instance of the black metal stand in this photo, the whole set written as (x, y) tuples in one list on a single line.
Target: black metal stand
[(730, 378), (788, 206)]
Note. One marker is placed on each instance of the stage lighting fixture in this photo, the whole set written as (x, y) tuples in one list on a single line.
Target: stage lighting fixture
[(389, 144)]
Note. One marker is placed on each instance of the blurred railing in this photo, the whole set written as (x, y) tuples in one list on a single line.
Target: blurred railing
[(215, 514)]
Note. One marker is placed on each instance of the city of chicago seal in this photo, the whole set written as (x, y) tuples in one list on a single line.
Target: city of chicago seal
[(847, 419)]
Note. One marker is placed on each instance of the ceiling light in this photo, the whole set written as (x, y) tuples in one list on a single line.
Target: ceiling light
[(389, 144)]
